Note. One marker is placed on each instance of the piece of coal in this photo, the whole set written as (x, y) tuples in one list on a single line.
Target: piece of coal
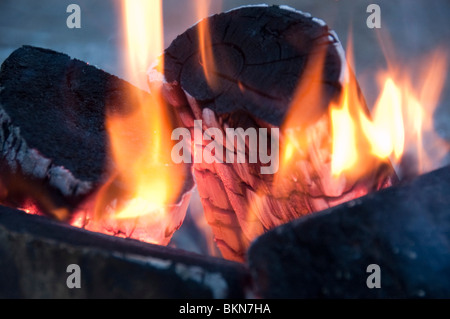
[(54, 147), (35, 253), (405, 230)]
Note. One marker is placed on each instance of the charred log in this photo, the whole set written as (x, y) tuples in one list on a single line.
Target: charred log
[(261, 53), (54, 145)]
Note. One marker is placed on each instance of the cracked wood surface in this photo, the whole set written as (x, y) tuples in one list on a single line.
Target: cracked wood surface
[(261, 53), (54, 144)]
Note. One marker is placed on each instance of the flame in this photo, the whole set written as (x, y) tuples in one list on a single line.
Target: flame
[(344, 152), (350, 156), (398, 128), (304, 108), (400, 118), (142, 163), (142, 197), (207, 60), (144, 37), (138, 199), (385, 131)]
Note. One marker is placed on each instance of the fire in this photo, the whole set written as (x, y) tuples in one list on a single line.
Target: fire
[(401, 116), (385, 131), (139, 199), (398, 129), (207, 59), (344, 153), (304, 109), (143, 21)]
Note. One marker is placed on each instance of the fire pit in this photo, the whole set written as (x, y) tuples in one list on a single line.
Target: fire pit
[(258, 108)]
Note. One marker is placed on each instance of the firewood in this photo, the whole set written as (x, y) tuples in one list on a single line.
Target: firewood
[(54, 145), (261, 54)]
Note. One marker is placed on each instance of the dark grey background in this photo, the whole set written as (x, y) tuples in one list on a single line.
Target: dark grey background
[(416, 27)]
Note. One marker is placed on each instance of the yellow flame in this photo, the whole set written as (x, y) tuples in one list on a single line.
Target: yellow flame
[(403, 115), (385, 131), (207, 59), (304, 110), (144, 182), (140, 158), (144, 37), (400, 121), (344, 150)]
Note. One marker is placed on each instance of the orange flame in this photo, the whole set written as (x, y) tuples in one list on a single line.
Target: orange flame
[(400, 122), (305, 108), (400, 118), (205, 43), (138, 198), (144, 37), (344, 151), (350, 150), (385, 131)]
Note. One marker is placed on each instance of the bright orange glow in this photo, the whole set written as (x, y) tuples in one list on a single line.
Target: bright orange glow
[(350, 156), (400, 121), (303, 110), (140, 158), (137, 139), (385, 131), (144, 37), (401, 117), (205, 45), (139, 199), (344, 152)]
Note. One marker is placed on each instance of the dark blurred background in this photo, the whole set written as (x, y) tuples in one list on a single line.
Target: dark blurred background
[(416, 27)]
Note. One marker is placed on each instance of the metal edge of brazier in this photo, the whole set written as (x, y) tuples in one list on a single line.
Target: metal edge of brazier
[(35, 253)]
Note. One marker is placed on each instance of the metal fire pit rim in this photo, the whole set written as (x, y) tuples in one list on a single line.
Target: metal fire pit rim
[(99, 241)]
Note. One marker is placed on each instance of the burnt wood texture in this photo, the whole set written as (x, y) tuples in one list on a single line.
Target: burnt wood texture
[(261, 54), (54, 144)]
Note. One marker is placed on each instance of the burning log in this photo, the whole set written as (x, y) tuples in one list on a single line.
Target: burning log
[(241, 69), (55, 149)]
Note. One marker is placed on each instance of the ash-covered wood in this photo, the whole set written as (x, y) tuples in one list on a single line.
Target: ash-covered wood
[(54, 145), (52, 113), (261, 54), (405, 230)]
